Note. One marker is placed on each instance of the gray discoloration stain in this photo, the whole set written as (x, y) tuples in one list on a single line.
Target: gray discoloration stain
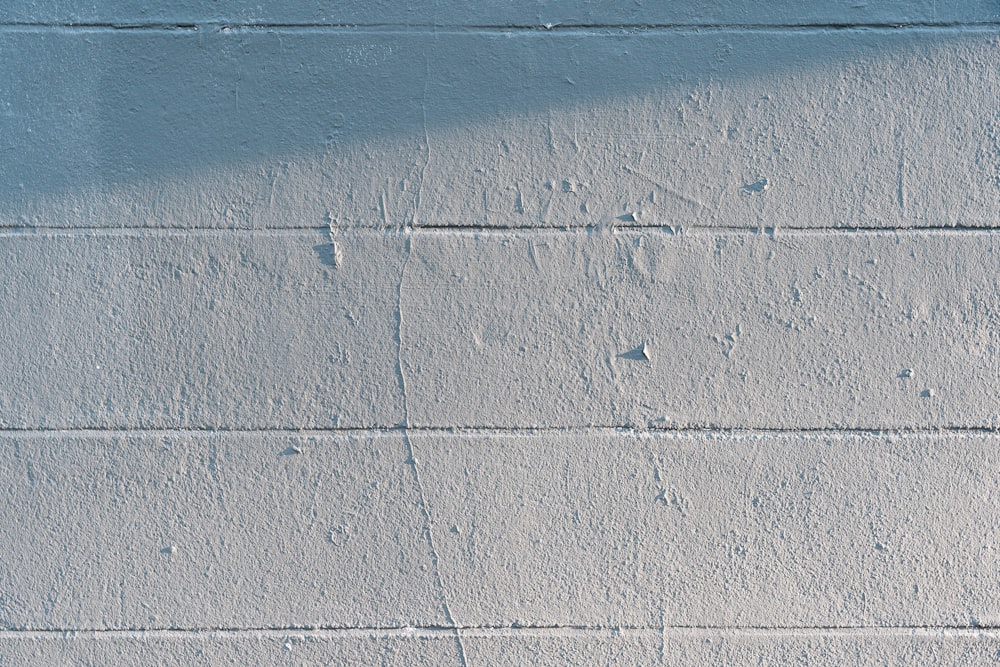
[(518, 201), (757, 187)]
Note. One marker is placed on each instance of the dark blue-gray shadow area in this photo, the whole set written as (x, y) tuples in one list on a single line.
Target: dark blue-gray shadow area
[(88, 108)]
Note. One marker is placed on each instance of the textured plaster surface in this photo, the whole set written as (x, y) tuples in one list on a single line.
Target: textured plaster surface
[(548, 333)]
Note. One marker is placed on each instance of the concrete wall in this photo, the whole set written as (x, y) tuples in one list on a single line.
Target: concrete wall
[(547, 333)]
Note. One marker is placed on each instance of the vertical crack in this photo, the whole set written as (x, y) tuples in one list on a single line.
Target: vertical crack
[(427, 139), (414, 462), (901, 174)]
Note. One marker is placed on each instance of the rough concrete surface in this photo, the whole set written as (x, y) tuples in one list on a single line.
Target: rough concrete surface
[(282, 127), (663, 330), (205, 330), (507, 647), (452, 328), (821, 649), (200, 530), (739, 530), (597, 529), (540, 14), (208, 649), (522, 333)]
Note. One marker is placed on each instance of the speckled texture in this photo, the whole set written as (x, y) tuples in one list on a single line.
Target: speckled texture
[(219, 330), (251, 127), (535, 332), (741, 330), (736, 530), (541, 14), (650, 329), (598, 529), (248, 530)]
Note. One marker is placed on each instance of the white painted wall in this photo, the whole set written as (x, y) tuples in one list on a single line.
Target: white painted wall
[(539, 333)]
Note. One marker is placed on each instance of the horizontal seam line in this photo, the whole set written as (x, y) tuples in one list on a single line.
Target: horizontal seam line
[(489, 430), (680, 229), (559, 626), (565, 28), (672, 230)]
